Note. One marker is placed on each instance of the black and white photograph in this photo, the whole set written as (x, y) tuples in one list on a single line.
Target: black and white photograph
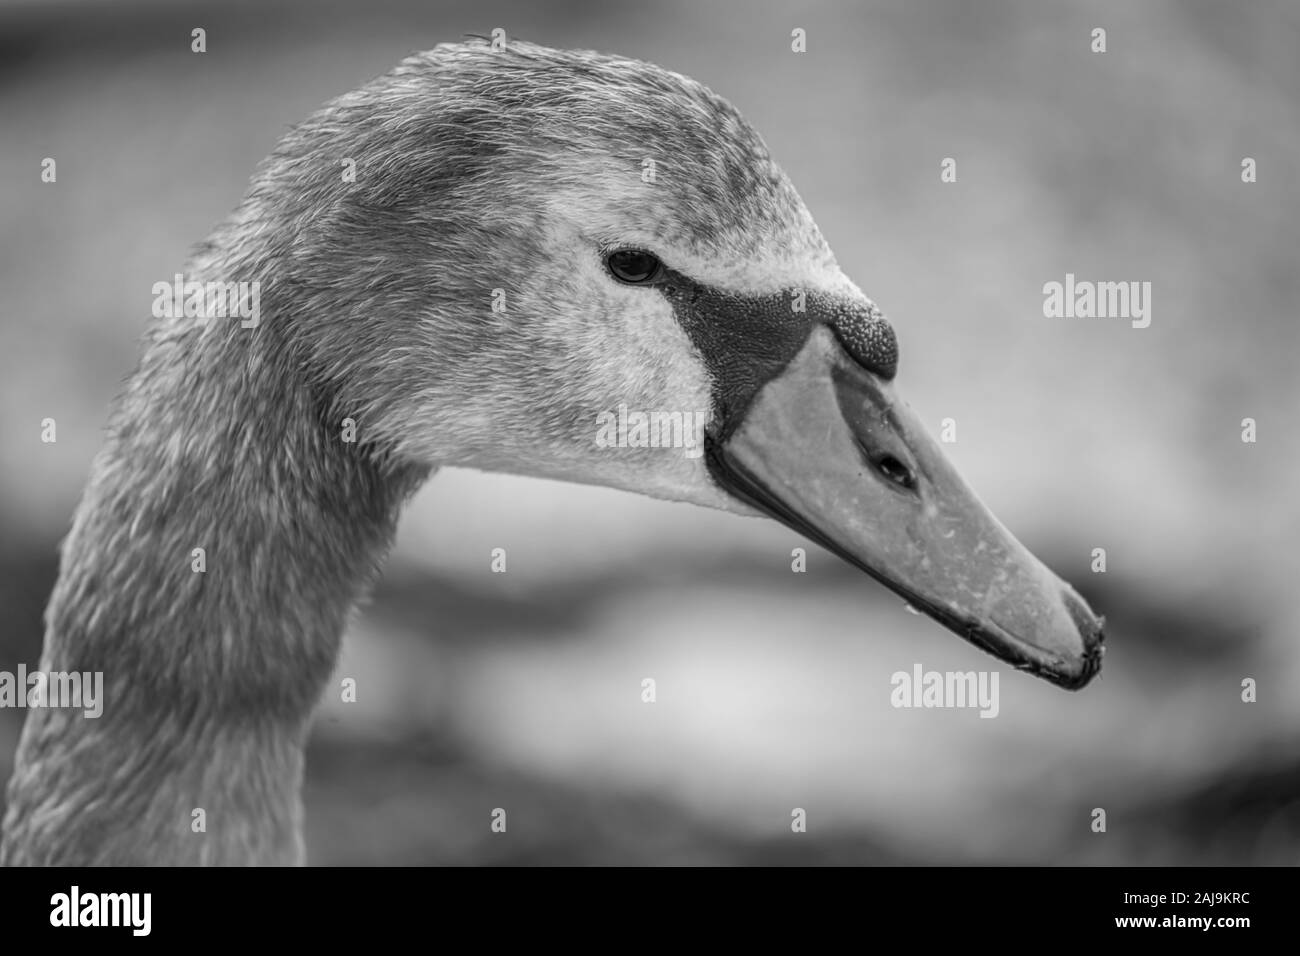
[(650, 435)]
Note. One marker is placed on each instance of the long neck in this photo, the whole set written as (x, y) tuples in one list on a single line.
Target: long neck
[(212, 661)]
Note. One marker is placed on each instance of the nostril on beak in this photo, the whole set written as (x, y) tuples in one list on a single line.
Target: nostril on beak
[(895, 471)]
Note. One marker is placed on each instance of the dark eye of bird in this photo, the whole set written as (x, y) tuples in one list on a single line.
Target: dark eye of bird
[(633, 266)]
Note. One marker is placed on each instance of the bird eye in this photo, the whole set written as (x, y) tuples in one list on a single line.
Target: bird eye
[(633, 266)]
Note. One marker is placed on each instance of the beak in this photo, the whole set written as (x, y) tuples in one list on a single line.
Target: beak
[(828, 448)]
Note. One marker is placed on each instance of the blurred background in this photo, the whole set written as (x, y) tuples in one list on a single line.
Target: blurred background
[(522, 690)]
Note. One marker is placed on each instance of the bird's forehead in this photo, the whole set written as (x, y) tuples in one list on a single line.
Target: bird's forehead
[(708, 195), (719, 209), (625, 153)]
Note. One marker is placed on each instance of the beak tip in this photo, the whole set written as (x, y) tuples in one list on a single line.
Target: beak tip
[(1090, 667), (1092, 634)]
